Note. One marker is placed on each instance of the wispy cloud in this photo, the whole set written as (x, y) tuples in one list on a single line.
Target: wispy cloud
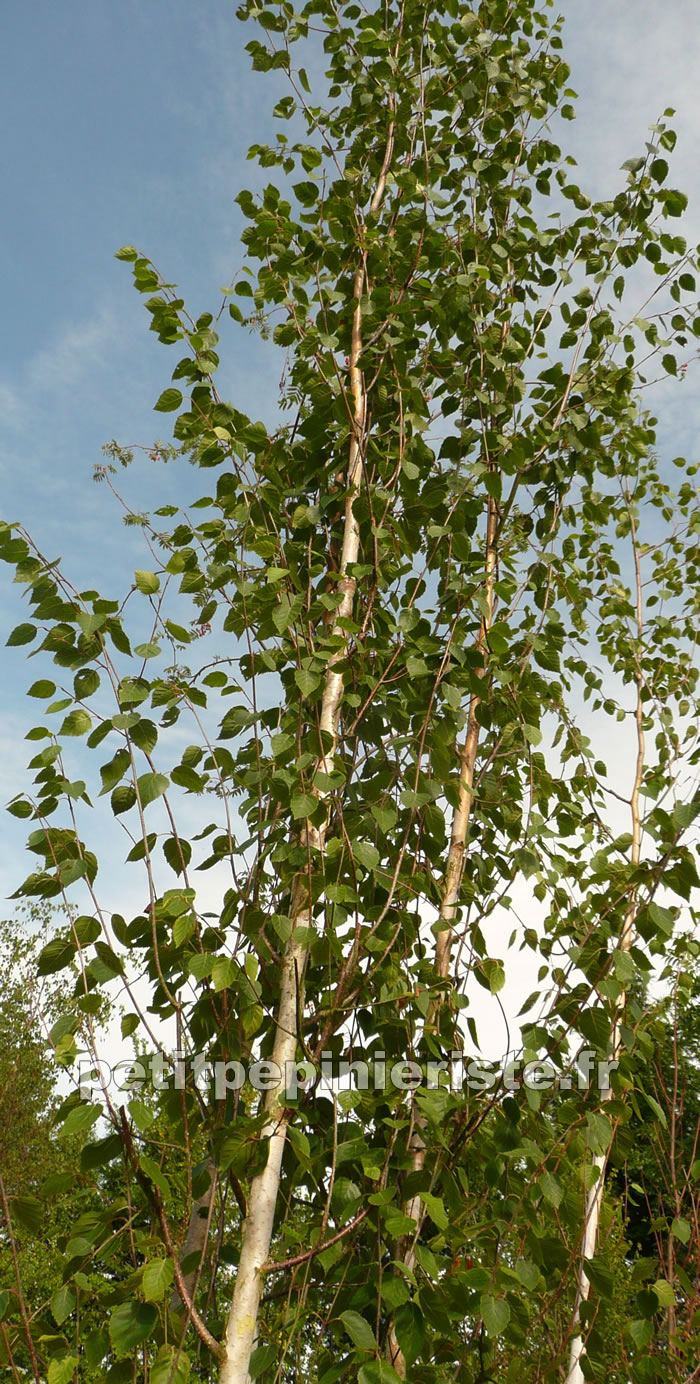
[(78, 350), (76, 353)]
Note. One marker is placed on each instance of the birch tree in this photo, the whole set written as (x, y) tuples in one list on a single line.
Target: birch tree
[(375, 658)]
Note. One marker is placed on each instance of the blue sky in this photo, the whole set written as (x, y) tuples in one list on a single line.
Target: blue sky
[(130, 123)]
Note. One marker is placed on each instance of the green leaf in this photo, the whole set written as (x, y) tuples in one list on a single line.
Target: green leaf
[(662, 918), (436, 1210), (306, 681), (675, 202), (378, 1372), (127, 252), (158, 1275), (286, 612), (625, 969), (89, 624), (491, 973), (303, 804), (56, 955), (495, 1313), (112, 772), (151, 786), (80, 1118), (109, 958), (640, 1333), (63, 1302), (528, 1273), (664, 1292), (123, 798), (22, 634), (681, 1229), (164, 1369), (200, 965), (76, 723), (178, 853), (132, 691), (656, 1108), (183, 928), (169, 400), (385, 816), (410, 1330), (130, 1325), (62, 1371), (224, 972), (96, 1345), (141, 1114), (427, 1261), (600, 1275), (600, 1132), (42, 688), (145, 735), (147, 582), (359, 1331), (153, 1170), (252, 1019), (29, 1211), (262, 1358), (551, 1189), (366, 854)]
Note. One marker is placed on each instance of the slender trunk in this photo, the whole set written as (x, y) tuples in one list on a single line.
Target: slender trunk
[(241, 1329), (242, 1325), (454, 870), (460, 824), (671, 1319), (196, 1240), (5, 1208), (594, 1196)]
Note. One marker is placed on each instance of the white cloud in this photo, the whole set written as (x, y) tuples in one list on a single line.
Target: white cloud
[(630, 60), (76, 352)]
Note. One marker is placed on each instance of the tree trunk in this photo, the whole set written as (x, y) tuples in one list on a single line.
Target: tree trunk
[(242, 1325), (594, 1195), (454, 871), (196, 1239)]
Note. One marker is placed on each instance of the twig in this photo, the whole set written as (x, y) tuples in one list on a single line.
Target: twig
[(154, 1196), (282, 1264)]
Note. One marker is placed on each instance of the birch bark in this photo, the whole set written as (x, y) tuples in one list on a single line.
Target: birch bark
[(242, 1325), (594, 1196), (454, 871)]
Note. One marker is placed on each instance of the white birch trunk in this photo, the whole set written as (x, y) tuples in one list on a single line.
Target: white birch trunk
[(454, 870), (241, 1330), (594, 1196), (196, 1239), (242, 1325)]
